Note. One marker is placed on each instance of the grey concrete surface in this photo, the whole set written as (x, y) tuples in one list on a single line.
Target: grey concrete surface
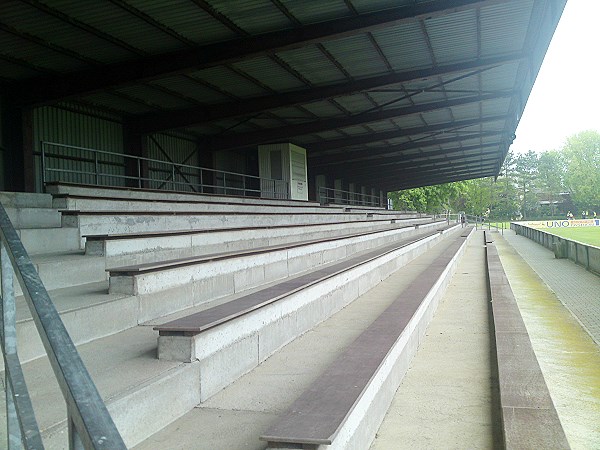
[(576, 288), (445, 400), (121, 365), (96, 191), (252, 402), (145, 249), (568, 357)]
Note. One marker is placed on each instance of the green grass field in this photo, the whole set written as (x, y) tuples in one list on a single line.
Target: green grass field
[(587, 235)]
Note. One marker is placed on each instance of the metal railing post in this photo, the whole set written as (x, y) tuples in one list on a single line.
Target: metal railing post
[(173, 175), (74, 438), (21, 426), (43, 166), (84, 404), (9, 344), (96, 167), (139, 168)]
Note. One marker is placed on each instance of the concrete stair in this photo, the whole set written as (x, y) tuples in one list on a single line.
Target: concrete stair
[(27, 210), (113, 330), (136, 385)]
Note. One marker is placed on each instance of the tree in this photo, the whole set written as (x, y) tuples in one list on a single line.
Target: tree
[(582, 177), (526, 171), (525, 185), (551, 171)]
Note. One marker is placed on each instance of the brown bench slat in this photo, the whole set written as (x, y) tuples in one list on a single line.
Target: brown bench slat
[(201, 321), (117, 236), (317, 415), (180, 262)]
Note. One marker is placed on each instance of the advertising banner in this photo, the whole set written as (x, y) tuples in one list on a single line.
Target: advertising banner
[(563, 223)]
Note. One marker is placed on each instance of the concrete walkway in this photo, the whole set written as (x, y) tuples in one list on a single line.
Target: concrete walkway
[(575, 287), (555, 297), (446, 399), (236, 416)]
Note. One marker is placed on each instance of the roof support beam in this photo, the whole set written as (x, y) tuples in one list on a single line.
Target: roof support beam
[(289, 131), (432, 181), (377, 167), (384, 155), (439, 168), (457, 174), (394, 134), (44, 90), (155, 122)]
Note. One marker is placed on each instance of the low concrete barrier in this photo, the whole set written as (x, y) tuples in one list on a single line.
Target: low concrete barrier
[(344, 407), (188, 283), (529, 418), (235, 346), (129, 249), (585, 255)]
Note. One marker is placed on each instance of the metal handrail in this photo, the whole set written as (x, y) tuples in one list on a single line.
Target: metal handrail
[(348, 197), (90, 424), (276, 188)]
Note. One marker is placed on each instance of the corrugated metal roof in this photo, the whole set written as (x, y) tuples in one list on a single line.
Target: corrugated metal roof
[(363, 6), (187, 19), (37, 55), (312, 64), (323, 109), (231, 82), (504, 27), (357, 55), (270, 73), (355, 103), (117, 103), (27, 19), (404, 46), (186, 85), (120, 24), (453, 37), (155, 96), (312, 11), (253, 16), (259, 86)]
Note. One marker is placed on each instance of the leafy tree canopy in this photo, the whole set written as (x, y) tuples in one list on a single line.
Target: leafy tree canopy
[(529, 185)]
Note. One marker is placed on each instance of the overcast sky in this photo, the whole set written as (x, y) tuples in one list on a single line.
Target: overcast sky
[(566, 95)]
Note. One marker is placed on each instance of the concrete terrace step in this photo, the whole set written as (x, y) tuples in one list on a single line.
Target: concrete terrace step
[(128, 249), (143, 394), (253, 402), (40, 241), (195, 280), (124, 222), (348, 401), (232, 338), (97, 204), (148, 194), (88, 312), (25, 200), (67, 270), (24, 217)]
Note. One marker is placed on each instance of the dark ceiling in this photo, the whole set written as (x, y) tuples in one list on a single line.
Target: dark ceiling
[(394, 94)]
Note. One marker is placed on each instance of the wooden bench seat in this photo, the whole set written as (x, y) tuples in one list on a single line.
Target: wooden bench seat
[(231, 339), (197, 242), (179, 262), (197, 323), (372, 366)]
